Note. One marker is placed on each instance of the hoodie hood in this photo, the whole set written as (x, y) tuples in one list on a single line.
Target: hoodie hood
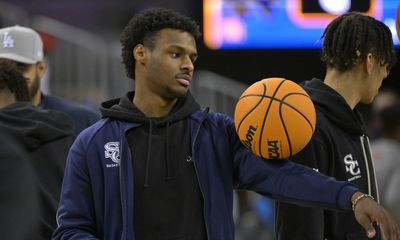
[(35, 126), (334, 106), (123, 109)]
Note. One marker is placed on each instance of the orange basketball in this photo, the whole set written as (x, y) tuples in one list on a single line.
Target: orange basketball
[(275, 118)]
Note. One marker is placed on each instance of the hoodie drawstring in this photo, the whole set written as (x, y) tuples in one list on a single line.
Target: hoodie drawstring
[(167, 165), (167, 153), (146, 176)]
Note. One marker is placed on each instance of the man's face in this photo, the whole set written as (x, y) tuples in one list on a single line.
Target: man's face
[(169, 66), (33, 79), (379, 73)]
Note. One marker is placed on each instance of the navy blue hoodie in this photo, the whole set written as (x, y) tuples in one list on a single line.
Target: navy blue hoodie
[(168, 202)]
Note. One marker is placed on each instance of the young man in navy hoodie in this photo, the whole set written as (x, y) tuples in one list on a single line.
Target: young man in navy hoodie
[(157, 166), (358, 52)]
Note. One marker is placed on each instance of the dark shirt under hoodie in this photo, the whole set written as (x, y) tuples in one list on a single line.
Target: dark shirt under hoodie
[(168, 203)]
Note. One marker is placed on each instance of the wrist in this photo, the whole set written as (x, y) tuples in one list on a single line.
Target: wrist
[(354, 196), (357, 197)]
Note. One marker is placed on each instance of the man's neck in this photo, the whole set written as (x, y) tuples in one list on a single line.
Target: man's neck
[(6, 99), (153, 106), (346, 84), (35, 100)]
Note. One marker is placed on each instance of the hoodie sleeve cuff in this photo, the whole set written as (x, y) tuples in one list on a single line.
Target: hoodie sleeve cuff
[(344, 197)]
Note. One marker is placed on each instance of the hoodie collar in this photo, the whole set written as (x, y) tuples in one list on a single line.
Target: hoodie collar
[(124, 109), (334, 106)]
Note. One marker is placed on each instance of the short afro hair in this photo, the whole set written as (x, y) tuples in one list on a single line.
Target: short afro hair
[(143, 27), (12, 79), (351, 36)]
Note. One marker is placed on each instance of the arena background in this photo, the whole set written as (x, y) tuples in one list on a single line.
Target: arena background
[(82, 46), (107, 18)]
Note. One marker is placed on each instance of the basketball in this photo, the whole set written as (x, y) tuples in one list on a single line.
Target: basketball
[(275, 118)]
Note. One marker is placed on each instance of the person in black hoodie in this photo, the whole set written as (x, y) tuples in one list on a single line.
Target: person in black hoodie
[(157, 166), (19, 195), (43, 137), (358, 52)]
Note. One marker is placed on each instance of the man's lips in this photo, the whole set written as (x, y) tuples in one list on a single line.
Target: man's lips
[(184, 80)]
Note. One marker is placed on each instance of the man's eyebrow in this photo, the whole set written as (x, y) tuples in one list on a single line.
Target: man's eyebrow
[(194, 54)]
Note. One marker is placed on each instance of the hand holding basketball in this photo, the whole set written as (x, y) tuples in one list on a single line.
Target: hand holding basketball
[(275, 118)]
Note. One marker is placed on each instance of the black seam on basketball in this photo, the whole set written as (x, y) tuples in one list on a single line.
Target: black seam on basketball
[(287, 104), (305, 117), (255, 95), (281, 102), (284, 127), (266, 114), (248, 113)]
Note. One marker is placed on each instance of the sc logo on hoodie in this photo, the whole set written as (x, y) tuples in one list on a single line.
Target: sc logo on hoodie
[(352, 167), (112, 152)]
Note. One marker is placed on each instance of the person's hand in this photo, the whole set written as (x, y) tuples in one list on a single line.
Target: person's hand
[(367, 211)]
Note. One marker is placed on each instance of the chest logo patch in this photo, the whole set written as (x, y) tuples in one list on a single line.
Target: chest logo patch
[(112, 152), (352, 167)]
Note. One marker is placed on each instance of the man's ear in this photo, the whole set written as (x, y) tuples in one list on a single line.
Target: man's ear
[(41, 67), (140, 53), (369, 63)]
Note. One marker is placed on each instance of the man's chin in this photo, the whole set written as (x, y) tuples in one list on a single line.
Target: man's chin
[(181, 92)]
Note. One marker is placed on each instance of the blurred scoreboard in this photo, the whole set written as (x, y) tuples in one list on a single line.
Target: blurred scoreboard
[(266, 24)]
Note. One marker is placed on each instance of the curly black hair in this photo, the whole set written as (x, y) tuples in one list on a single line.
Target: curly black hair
[(350, 37), (143, 28), (12, 79)]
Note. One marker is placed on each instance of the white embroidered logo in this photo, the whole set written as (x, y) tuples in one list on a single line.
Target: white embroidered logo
[(112, 152), (189, 159), (352, 166), (8, 41)]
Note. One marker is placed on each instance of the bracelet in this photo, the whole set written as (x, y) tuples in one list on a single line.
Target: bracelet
[(354, 203)]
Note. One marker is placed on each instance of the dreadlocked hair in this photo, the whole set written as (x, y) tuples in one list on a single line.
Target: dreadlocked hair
[(13, 80), (349, 38), (143, 29)]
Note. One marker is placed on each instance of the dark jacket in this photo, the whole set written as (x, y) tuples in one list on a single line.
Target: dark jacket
[(46, 136), (97, 196), (19, 195), (339, 148), (81, 115)]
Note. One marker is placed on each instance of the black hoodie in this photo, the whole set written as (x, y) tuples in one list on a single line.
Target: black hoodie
[(339, 148), (167, 200), (19, 197), (46, 136)]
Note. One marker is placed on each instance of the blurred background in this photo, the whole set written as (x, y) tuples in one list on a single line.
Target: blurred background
[(243, 41)]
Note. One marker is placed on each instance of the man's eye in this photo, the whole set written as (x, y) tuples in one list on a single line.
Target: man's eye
[(175, 55)]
